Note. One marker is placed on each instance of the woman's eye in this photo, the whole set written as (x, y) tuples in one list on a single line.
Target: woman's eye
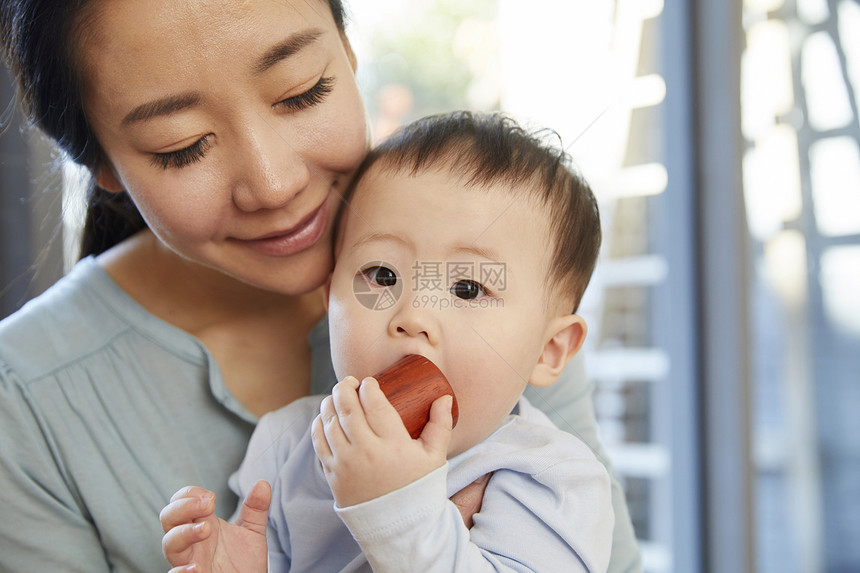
[(382, 276), (310, 98), (468, 289), (197, 150), (183, 157)]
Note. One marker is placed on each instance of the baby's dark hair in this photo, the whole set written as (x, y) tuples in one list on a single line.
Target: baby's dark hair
[(483, 149)]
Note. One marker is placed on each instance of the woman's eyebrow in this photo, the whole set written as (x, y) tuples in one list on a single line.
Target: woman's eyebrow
[(163, 106), (174, 103), (286, 49)]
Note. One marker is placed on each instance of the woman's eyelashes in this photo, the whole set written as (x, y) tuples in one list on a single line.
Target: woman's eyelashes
[(310, 98), (183, 157), (197, 150)]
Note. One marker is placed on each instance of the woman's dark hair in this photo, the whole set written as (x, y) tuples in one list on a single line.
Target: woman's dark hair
[(38, 39)]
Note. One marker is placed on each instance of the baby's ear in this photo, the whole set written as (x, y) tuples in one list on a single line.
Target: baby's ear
[(564, 336)]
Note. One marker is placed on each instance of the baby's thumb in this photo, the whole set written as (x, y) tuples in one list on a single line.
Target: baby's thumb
[(254, 513), (437, 432)]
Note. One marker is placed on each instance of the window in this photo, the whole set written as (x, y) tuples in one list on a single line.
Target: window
[(800, 91)]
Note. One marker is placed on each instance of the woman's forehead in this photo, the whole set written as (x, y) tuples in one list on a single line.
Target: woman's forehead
[(198, 23), (177, 46)]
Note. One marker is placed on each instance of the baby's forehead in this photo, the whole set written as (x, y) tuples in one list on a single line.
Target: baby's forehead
[(411, 204), (383, 176)]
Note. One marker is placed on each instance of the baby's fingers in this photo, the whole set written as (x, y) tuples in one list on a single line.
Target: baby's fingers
[(183, 510), (177, 543), (191, 491), (381, 416), (330, 426), (349, 410), (319, 440), (437, 432), (254, 512)]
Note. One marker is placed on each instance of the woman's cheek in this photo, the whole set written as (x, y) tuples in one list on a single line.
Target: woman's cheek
[(344, 134), (176, 224), (184, 210)]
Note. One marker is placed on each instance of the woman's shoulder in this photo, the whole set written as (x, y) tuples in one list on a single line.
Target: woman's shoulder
[(66, 321), (81, 314)]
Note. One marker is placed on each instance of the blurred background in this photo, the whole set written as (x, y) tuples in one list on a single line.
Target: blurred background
[(722, 141)]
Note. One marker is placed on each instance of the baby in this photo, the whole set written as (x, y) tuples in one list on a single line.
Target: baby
[(469, 241)]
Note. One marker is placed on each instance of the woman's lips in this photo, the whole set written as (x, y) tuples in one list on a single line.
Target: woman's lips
[(295, 240)]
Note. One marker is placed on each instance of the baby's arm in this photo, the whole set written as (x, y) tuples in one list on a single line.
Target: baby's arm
[(195, 539), (569, 404), (416, 529), (365, 449), (549, 510)]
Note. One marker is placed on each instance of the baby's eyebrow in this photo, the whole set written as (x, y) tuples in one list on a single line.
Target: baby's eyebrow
[(461, 249), (484, 253), (381, 238)]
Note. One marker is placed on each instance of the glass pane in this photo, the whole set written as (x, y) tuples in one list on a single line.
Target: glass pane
[(804, 294), (767, 77), (826, 94), (772, 181), (840, 284), (813, 11), (834, 166), (849, 24)]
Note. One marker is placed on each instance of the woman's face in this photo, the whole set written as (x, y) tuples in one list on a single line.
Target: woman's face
[(233, 125)]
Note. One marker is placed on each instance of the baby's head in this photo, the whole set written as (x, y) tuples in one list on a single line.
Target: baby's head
[(469, 241)]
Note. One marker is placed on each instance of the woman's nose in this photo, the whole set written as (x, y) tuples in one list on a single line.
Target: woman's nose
[(273, 170)]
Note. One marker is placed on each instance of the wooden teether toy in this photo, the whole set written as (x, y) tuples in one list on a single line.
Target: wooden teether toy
[(411, 385)]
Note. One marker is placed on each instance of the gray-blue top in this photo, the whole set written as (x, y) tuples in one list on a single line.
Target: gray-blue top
[(106, 410)]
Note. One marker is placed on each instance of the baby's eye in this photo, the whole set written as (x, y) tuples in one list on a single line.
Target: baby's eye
[(383, 276), (468, 289)]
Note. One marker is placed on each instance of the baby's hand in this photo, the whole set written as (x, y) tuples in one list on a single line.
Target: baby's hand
[(196, 540), (364, 447)]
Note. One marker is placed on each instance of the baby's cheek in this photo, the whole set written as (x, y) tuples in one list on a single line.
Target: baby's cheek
[(348, 336), (337, 327)]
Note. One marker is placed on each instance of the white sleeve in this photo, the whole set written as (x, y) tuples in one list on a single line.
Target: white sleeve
[(271, 444), (261, 461), (527, 523)]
